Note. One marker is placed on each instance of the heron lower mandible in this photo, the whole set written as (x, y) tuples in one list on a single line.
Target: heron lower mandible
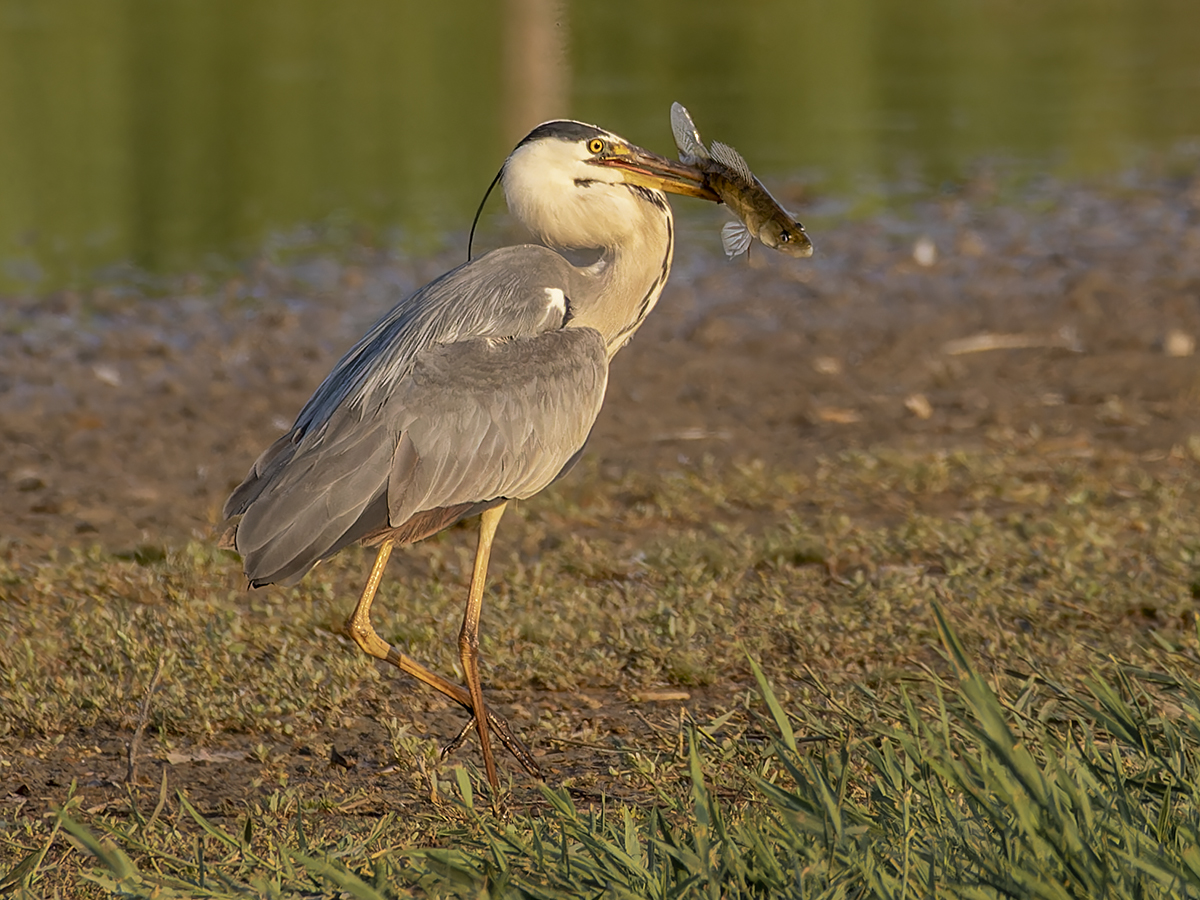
[(480, 388)]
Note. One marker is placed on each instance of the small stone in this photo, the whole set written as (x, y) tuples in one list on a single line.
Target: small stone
[(1193, 446), (838, 415), (1179, 343), (828, 365), (107, 374), (918, 405), (1113, 411), (27, 480), (925, 251)]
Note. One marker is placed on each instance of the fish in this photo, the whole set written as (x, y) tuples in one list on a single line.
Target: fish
[(728, 174)]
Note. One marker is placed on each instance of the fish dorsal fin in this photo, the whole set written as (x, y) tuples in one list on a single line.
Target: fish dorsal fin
[(687, 138), (732, 160), (735, 238)]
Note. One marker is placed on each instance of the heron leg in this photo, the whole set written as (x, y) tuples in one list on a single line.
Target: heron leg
[(359, 627), (468, 637)]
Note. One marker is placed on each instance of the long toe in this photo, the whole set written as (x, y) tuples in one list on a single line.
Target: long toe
[(512, 743)]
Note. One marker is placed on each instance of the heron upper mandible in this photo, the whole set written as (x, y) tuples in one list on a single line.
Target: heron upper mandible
[(480, 388)]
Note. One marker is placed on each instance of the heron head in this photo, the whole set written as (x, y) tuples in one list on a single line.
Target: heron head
[(576, 185)]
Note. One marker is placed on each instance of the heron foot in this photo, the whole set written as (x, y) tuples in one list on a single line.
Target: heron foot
[(513, 743), (375, 646), (360, 630)]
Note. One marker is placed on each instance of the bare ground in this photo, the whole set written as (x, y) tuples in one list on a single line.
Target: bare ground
[(125, 419)]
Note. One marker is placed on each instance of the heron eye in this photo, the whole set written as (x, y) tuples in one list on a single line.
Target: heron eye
[(595, 145)]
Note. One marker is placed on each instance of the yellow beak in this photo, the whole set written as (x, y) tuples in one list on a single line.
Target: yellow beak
[(641, 167)]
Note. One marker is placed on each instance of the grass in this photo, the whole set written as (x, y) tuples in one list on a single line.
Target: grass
[(979, 679)]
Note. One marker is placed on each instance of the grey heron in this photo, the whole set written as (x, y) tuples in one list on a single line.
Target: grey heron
[(479, 388)]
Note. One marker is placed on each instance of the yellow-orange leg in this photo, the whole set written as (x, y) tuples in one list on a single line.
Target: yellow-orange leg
[(359, 627), (468, 636)]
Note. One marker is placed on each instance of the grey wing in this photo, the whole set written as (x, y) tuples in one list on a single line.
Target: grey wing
[(687, 138), (508, 292), (319, 487), (301, 497), (509, 417), (474, 422)]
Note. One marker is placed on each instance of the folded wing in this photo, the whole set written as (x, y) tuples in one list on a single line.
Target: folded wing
[(416, 440)]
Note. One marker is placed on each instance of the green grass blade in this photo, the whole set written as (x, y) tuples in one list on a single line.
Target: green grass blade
[(777, 714), (337, 875)]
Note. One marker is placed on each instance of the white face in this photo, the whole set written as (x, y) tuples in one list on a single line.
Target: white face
[(567, 200), (562, 160)]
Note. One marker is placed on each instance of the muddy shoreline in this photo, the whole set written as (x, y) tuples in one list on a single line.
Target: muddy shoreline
[(126, 419), (1056, 333)]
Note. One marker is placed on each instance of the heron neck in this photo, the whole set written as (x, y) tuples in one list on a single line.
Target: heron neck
[(622, 287)]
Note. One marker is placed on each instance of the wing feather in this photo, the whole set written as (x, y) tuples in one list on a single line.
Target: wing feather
[(472, 422), (502, 294), (509, 416), (311, 498)]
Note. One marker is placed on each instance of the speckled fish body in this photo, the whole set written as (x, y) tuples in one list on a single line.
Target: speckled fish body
[(728, 174)]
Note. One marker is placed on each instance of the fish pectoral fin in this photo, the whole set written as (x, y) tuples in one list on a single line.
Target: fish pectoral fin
[(735, 237)]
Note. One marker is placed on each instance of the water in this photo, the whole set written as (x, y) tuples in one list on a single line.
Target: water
[(166, 134)]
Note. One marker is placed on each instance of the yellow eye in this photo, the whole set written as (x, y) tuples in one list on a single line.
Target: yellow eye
[(595, 145)]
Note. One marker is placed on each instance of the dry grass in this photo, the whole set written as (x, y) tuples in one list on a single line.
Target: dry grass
[(1049, 569)]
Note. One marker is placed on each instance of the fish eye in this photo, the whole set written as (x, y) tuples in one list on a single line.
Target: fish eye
[(784, 237), (595, 145)]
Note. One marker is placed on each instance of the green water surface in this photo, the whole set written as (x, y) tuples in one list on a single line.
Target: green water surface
[(161, 134)]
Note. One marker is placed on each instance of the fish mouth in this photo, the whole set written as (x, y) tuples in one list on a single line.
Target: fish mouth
[(800, 247), (646, 169)]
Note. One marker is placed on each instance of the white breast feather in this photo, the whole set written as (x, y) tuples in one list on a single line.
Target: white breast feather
[(558, 302)]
